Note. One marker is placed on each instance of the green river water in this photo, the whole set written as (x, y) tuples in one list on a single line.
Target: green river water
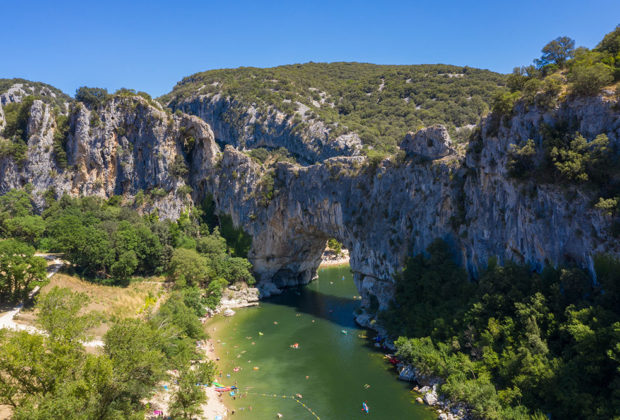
[(329, 369)]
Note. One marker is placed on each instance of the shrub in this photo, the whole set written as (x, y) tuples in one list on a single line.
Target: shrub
[(607, 206), (16, 116), (521, 159), (588, 80), (91, 97), (179, 167)]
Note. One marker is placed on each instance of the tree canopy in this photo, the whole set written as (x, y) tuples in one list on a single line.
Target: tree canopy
[(514, 343)]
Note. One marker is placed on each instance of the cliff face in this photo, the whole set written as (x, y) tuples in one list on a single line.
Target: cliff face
[(121, 148), (383, 214), (381, 211), (248, 127)]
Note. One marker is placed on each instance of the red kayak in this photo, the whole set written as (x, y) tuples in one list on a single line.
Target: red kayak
[(394, 361), (225, 388)]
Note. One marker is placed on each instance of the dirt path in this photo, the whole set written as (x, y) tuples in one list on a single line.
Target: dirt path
[(7, 320)]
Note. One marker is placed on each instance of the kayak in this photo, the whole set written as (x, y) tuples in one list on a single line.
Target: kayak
[(365, 408), (225, 388)]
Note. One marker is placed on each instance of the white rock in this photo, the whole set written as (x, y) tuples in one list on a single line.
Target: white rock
[(430, 398)]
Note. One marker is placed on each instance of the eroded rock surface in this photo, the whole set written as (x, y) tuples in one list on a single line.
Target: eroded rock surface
[(381, 212), (429, 143)]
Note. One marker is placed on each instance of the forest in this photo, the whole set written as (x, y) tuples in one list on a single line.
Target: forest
[(514, 343)]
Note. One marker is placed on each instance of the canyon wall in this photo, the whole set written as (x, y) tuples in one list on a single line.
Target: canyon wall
[(382, 211)]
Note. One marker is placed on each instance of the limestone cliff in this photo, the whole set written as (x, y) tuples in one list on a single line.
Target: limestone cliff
[(248, 126), (381, 211), (120, 148), (386, 212)]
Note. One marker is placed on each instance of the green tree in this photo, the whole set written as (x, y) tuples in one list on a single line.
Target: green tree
[(125, 266), (29, 229), (20, 270), (188, 398), (335, 246), (92, 97), (134, 348), (521, 159), (581, 158), (189, 268), (59, 315), (16, 116), (213, 245), (557, 52)]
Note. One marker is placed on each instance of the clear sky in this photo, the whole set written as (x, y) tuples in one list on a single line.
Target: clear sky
[(150, 45)]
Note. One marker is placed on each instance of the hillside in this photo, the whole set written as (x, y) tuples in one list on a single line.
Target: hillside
[(365, 105), (11, 89)]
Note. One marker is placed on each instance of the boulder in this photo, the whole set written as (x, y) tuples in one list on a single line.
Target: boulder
[(430, 398), (428, 143), (407, 373)]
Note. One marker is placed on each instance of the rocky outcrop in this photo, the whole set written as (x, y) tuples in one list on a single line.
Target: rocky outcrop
[(428, 144), (246, 126)]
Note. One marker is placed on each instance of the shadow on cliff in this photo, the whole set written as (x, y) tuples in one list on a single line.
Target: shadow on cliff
[(336, 309)]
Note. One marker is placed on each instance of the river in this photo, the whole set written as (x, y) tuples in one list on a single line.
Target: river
[(334, 368)]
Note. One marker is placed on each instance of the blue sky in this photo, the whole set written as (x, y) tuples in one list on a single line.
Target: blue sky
[(150, 45)]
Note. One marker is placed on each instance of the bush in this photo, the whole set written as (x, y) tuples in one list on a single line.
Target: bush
[(503, 103), (16, 116), (335, 246), (179, 167), (61, 133), (91, 97), (588, 80), (521, 159)]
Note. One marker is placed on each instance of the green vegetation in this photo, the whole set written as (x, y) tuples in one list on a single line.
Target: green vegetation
[(14, 136), (565, 157), (239, 242), (21, 270), (109, 243), (91, 97), (564, 68), (380, 103), (335, 246), (562, 155), (52, 376), (515, 343), (269, 157), (16, 117)]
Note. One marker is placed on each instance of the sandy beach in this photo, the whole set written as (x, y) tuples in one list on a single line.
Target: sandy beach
[(160, 402), (330, 259), (215, 403)]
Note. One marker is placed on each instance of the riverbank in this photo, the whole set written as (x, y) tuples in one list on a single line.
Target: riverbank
[(215, 405), (425, 385), (333, 259)]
